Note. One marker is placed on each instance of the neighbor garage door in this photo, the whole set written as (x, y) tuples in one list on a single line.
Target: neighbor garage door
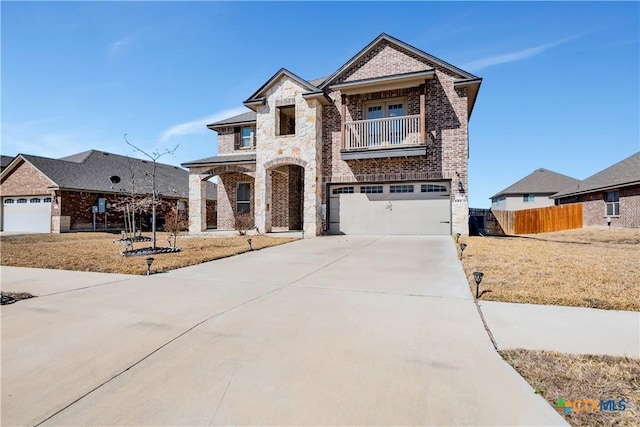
[(27, 214), (397, 208)]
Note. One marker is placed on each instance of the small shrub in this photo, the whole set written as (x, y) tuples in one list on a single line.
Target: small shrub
[(244, 222)]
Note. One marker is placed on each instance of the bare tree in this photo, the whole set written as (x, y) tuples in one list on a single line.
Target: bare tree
[(154, 156)]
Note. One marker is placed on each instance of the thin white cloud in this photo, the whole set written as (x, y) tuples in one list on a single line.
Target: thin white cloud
[(119, 46), (518, 55), (199, 125)]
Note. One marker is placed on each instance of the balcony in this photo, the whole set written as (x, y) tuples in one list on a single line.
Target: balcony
[(387, 137)]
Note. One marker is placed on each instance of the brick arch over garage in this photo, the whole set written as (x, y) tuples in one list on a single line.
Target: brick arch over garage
[(280, 161)]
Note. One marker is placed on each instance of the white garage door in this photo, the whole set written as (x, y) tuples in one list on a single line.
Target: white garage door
[(27, 214), (398, 208)]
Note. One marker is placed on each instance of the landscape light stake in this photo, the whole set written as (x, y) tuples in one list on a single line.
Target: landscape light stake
[(477, 276), (458, 237), (149, 262), (609, 222), (249, 241), (462, 248)]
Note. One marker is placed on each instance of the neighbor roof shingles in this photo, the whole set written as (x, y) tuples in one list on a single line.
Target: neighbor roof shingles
[(625, 172), (540, 181), (91, 170)]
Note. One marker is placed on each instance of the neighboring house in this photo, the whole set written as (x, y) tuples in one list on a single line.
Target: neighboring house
[(378, 147), (532, 191), (41, 194), (4, 162), (613, 193)]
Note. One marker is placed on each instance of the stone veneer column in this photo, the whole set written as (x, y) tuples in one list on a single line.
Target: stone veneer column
[(197, 203), (262, 199)]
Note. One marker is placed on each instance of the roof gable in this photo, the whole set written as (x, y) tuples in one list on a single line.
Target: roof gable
[(283, 72), (540, 181), (384, 50)]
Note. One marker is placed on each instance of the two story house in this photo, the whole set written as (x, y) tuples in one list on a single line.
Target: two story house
[(378, 147)]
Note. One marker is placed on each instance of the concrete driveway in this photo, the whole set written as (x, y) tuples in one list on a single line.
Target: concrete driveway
[(326, 331)]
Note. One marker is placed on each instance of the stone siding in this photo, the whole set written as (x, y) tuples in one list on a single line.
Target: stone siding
[(302, 149)]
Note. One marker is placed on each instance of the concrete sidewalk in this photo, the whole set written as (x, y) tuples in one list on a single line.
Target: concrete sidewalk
[(565, 329), (326, 331)]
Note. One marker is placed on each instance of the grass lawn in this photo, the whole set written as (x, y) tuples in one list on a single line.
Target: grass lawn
[(598, 268), (98, 252), (580, 377)]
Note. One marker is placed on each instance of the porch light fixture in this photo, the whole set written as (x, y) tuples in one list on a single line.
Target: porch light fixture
[(249, 242), (477, 276), (149, 262), (463, 246), (460, 187)]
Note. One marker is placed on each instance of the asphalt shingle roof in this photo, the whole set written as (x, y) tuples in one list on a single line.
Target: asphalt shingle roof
[(249, 116), (91, 171), (623, 173), (4, 161), (540, 181), (224, 159)]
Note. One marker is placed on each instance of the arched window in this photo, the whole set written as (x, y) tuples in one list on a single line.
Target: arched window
[(8, 201), (34, 200), (46, 200), (22, 200)]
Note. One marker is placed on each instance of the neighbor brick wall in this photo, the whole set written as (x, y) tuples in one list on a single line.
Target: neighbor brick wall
[(226, 140), (25, 180), (227, 196), (594, 209)]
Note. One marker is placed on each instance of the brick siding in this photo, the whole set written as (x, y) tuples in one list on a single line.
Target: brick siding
[(25, 180), (227, 197), (594, 209)]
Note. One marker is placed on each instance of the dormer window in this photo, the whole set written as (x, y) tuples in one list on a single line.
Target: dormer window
[(287, 120)]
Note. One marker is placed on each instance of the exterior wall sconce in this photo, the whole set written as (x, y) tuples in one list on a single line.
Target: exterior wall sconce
[(460, 187), (477, 276), (149, 262)]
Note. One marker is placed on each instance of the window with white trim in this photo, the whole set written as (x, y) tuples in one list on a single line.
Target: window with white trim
[(403, 188), (243, 200), (371, 189), (528, 198), (342, 190), (612, 200), (433, 188)]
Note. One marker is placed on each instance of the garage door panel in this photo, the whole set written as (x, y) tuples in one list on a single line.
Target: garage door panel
[(27, 217), (390, 213)]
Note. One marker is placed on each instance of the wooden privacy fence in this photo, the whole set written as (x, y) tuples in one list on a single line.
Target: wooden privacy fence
[(541, 220)]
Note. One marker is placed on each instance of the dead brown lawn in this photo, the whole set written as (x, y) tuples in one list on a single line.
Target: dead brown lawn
[(98, 252), (596, 268), (578, 377)]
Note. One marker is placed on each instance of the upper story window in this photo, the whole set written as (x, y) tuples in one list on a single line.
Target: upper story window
[(244, 137), (287, 120), (613, 203), (528, 198)]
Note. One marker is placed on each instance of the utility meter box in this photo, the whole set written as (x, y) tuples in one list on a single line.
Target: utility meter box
[(102, 205)]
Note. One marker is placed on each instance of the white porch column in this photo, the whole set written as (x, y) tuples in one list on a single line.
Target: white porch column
[(197, 203)]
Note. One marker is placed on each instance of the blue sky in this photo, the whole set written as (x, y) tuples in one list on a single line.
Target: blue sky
[(560, 80)]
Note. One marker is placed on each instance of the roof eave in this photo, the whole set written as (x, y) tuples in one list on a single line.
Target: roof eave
[(215, 127), (596, 190)]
